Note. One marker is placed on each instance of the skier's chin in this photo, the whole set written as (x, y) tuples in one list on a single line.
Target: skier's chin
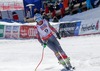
[(40, 22)]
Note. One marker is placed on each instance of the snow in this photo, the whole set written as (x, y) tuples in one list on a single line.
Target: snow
[(24, 55)]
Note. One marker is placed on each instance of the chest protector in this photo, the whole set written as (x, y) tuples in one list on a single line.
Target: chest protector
[(44, 30)]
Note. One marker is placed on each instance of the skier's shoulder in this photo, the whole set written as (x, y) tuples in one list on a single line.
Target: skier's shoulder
[(44, 20)]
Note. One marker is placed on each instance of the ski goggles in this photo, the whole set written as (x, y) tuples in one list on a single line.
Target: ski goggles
[(38, 19)]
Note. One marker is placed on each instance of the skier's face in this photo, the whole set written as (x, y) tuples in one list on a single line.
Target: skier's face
[(40, 22), (38, 19)]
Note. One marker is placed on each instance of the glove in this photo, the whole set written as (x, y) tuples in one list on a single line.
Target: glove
[(58, 36), (44, 45)]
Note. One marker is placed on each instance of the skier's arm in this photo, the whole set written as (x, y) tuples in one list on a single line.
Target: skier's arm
[(38, 35), (42, 43), (54, 30), (39, 39)]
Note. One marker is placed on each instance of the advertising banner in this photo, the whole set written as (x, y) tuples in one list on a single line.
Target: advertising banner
[(1, 31), (76, 31), (90, 27), (15, 32), (8, 33), (27, 31), (10, 5), (69, 29)]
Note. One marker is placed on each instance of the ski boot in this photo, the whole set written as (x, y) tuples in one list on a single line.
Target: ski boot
[(67, 61), (63, 63)]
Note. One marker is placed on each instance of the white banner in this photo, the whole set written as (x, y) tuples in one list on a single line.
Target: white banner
[(91, 26)]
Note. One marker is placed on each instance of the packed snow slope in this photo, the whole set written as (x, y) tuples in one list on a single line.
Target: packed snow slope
[(24, 55)]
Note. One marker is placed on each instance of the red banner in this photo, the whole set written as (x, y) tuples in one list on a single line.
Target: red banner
[(27, 31)]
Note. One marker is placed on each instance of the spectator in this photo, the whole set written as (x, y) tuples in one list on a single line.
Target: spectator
[(74, 2), (92, 3), (52, 10), (71, 5), (0, 15), (45, 16), (28, 14), (88, 4), (55, 19), (57, 7), (80, 1), (97, 3), (15, 16), (62, 9), (46, 8), (80, 6), (36, 11), (79, 9), (65, 3), (41, 11)]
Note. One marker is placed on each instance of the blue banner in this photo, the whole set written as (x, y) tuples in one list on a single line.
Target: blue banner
[(69, 29), (37, 4), (76, 31)]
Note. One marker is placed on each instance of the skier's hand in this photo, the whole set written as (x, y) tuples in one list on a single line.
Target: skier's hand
[(44, 45), (58, 36)]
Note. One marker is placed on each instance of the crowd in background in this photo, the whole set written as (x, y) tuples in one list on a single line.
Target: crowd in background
[(59, 8), (51, 8)]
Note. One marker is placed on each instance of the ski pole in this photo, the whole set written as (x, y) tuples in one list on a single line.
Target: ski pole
[(40, 60)]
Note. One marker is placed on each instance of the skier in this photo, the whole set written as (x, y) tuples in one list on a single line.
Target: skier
[(45, 37)]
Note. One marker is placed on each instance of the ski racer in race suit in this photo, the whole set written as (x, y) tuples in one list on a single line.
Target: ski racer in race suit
[(45, 37)]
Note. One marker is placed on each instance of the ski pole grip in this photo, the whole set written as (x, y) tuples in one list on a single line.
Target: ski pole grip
[(44, 45)]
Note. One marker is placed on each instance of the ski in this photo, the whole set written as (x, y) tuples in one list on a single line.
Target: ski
[(67, 65), (69, 68)]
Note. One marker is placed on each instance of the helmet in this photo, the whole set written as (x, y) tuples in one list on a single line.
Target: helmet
[(38, 17)]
